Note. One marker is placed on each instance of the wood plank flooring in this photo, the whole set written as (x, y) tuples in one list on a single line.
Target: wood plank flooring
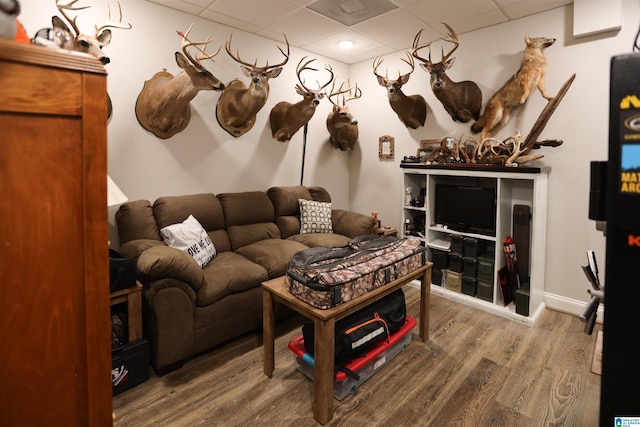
[(477, 369)]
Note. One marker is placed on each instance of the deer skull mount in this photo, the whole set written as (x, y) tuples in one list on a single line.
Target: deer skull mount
[(238, 105), (412, 109), (163, 106), (287, 118), (462, 100), (342, 126)]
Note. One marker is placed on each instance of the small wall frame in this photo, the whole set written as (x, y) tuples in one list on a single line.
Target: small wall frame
[(386, 147)]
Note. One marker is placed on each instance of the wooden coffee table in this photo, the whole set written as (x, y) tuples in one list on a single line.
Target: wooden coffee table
[(324, 320)]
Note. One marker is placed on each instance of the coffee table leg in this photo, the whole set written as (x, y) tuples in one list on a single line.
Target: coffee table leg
[(323, 370), (425, 301), (268, 324)]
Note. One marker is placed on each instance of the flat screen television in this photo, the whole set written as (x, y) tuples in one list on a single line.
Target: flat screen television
[(466, 208)]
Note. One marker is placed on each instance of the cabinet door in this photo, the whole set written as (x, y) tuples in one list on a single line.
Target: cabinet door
[(54, 326)]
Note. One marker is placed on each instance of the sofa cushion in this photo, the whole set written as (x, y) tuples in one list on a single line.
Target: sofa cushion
[(205, 207), (285, 199), (250, 217), (190, 237), (273, 254), (315, 217), (136, 221), (320, 239), (229, 273), (250, 207)]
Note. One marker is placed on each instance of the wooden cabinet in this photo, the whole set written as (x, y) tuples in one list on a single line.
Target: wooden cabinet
[(513, 186), (54, 327)]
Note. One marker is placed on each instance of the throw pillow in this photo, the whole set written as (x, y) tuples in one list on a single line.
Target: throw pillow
[(190, 237), (315, 217)]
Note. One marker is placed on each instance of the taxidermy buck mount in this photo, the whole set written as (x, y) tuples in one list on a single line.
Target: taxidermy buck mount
[(342, 126), (287, 118), (412, 109), (64, 38), (238, 105), (462, 100), (163, 106), (81, 42)]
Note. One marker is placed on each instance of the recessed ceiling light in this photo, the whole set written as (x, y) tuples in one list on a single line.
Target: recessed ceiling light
[(345, 44)]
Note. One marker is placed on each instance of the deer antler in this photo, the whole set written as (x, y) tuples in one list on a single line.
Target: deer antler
[(333, 93), (69, 6), (186, 43), (302, 67), (376, 63), (415, 47), (237, 58), (453, 38), (357, 93), (410, 62), (110, 24)]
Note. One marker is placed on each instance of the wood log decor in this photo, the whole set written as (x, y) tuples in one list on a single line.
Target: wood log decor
[(512, 150)]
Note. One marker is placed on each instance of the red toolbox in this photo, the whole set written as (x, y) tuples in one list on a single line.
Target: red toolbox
[(364, 366)]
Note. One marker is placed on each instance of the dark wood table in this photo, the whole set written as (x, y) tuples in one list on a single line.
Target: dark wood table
[(324, 320)]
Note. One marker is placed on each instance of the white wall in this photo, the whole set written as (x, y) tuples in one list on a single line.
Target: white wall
[(488, 57), (204, 158)]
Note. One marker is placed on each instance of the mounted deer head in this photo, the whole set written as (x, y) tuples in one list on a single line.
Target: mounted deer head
[(342, 126), (287, 118), (163, 105), (462, 100), (412, 109), (76, 40), (238, 105)]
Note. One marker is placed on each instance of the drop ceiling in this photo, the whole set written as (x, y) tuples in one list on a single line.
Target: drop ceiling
[(376, 27)]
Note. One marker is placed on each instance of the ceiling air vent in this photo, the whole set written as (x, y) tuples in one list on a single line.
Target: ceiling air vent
[(351, 12)]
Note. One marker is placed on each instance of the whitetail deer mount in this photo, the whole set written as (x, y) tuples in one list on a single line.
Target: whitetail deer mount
[(462, 100), (342, 126), (287, 118), (411, 109), (73, 39), (238, 105), (163, 106)]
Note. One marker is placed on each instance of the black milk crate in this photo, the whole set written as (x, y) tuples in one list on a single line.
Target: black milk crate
[(130, 365)]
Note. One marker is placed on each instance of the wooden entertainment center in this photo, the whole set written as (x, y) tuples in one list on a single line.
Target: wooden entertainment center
[(514, 186)]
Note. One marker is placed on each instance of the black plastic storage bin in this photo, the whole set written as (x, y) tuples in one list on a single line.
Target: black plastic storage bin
[(469, 285), (470, 265), (457, 244), (474, 247), (455, 262), (130, 365), (439, 258)]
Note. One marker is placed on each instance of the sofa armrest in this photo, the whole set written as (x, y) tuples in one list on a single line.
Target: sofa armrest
[(162, 262), (134, 248), (352, 224)]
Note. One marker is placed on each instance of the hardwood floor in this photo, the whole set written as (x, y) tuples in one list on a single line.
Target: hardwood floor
[(476, 370)]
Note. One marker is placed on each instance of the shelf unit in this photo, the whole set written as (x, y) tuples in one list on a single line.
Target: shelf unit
[(514, 186)]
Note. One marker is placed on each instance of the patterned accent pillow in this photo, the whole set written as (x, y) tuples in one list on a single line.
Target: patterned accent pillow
[(315, 217), (190, 237)]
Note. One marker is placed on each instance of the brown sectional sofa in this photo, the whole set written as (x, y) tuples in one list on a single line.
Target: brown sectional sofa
[(188, 309)]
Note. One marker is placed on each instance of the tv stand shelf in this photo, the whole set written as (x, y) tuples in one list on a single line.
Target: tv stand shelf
[(513, 186)]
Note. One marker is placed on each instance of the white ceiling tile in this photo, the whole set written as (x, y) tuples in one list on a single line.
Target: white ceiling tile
[(260, 13), (229, 21), (530, 7), (390, 32), (179, 5), (304, 26)]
